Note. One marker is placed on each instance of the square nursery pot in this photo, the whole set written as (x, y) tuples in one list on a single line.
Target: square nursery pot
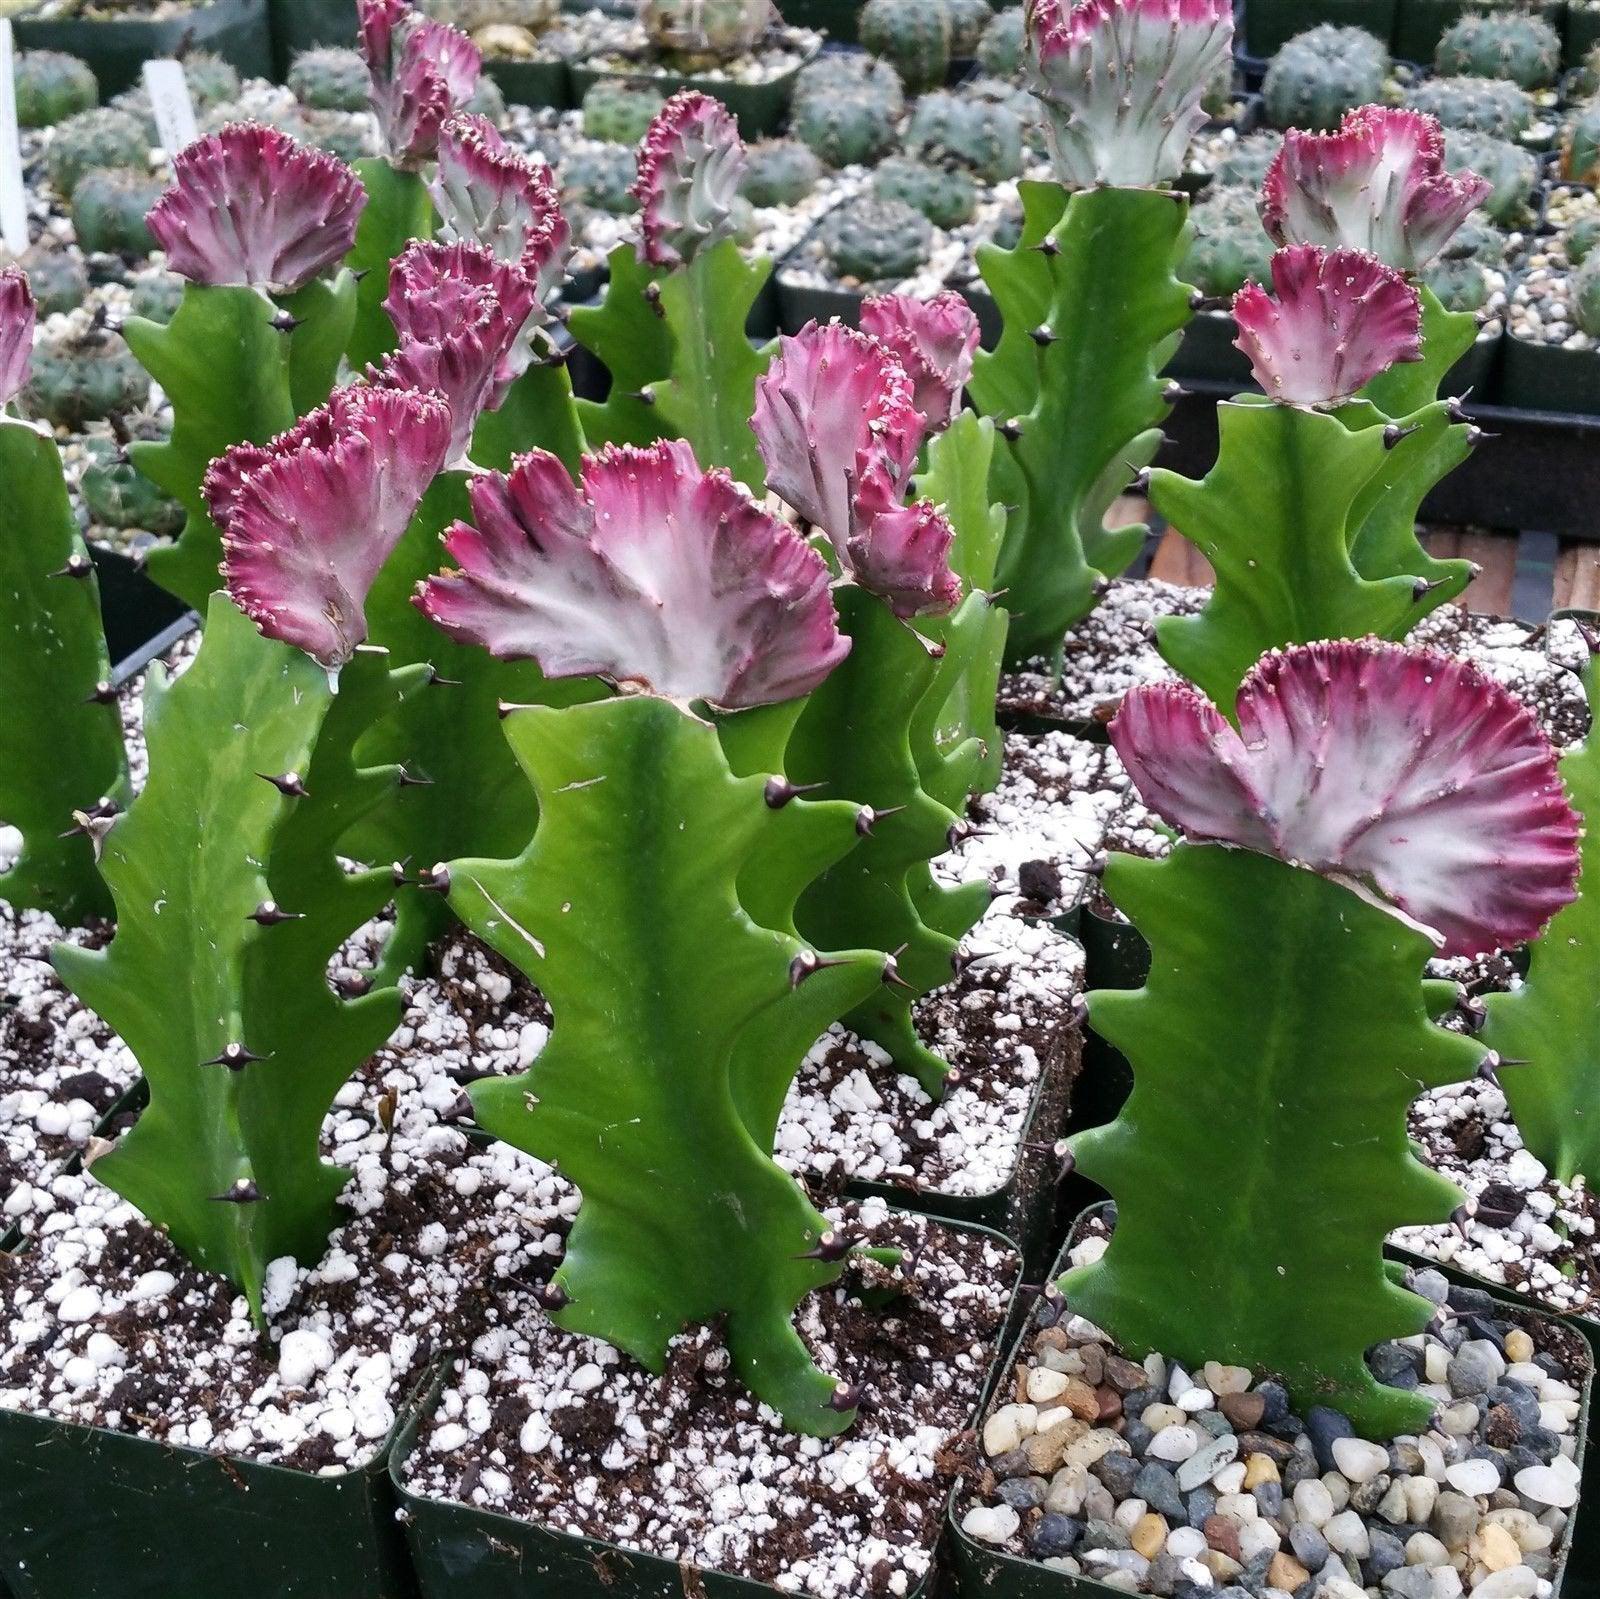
[(1546, 377), (1269, 24), (461, 1552), (304, 24), (117, 48), (836, 20), (1420, 24), (983, 1572), (533, 83), (135, 611), (1115, 955), (759, 107)]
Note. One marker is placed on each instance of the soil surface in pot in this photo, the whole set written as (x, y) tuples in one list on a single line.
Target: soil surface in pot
[(1159, 1479), (783, 50), (565, 1431), (1113, 649), (1541, 301)]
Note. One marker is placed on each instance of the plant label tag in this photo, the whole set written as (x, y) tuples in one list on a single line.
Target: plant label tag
[(13, 197), (168, 88)]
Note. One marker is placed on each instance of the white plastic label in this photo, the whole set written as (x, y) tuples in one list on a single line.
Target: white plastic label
[(168, 88), (13, 197)]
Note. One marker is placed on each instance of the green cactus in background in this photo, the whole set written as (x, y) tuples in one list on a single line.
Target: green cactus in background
[(81, 376), (1489, 105), (1550, 1023), (863, 76), (330, 79), (780, 172), (692, 32), (102, 138), (251, 787), (61, 737), (1321, 74), (1000, 48), (842, 127), (117, 494), (156, 296), (946, 196), (1512, 171), (1580, 145), (979, 133), (1229, 246), (51, 87), (57, 277), (599, 177), (1582, 237), (1459, 282), (1247, 162), (1501, 44), (1283, 1007), (969, 19), (683, 1006), (876, 240), (914, 35), (345, 134), (1070, 329), (618, 112), (1586, 296), (109, 209)]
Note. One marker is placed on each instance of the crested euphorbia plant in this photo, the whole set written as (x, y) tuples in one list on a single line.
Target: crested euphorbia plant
[(422, 73), (839, 421), (253, 220), (62, 768), (655, 905), (1090, 298), (1550, 1023), (226, 869), (671, 328), (1375, 806), (1309, 516)]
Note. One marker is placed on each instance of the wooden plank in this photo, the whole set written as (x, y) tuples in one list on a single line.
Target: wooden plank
[(1496, 555), (1177, 561), (1578, 578)]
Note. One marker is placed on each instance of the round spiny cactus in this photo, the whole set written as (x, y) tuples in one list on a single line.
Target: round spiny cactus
[(1249, 159), (711, 30), (1488, 105), (83, 376), (1582, 237), (1580, 144), (346, 134), (91, 139), (946, 196), (109, 210), (1511, 171), (779, 172), (52, 86), (842, 127), (1319, 75), (1000, 48), (915, 35), (877, 241), (618, 112), (1501, 44), (980, 133), (58, 278), (969, 21), (1460, 277), (599, 177), (212, 81), (330, 79), (117, 494), (156, 295), (1586, 296), (852, 72), (1228, 247)]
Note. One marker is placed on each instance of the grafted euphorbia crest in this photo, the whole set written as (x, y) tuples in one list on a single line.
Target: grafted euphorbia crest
[(489, 194), (837, 425), (308, 521), (18, 315), (422, 73), (651, 573), (1121, 82), (1378, 184), (690, 162), (934, 340), (250, 206), (1335, 319), (1400, 771)]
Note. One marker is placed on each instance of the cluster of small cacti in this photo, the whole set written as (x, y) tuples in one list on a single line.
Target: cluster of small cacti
[(1320, 75)]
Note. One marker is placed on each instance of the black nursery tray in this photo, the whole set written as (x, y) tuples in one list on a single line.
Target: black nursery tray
[(759, 107), (304, 24), (1269, 24), (135, 612)]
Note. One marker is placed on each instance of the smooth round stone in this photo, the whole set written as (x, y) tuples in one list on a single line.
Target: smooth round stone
[(1358, 1460), (1409, 1582), (1186, 1543), (1347, 1533), (1055, 1536), (1423, 1549), (1323, 1425), (1548, 1485), (1515, 1582), (1203, 1463), (1473, 1478), (1174, 1443), (1313, 1504), (1455, 1519), (993, 1524), (1007, 1427), (1475, 1368)]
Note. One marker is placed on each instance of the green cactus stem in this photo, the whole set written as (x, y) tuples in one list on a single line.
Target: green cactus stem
[(251, 787), (1288, 1011), (628, 333), (1092, 306), (1283, 517), (1550, 1024), (274, 374), (683, 1006), (61, 737), (399, 209)]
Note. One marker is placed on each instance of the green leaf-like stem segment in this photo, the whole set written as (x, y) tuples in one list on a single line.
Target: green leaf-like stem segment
[(652, 908), (233, 377), (1092, 309), (1551, 1024), (399, 209), (60, 740), (628, 334), (226, 1156), (1262, 1157)]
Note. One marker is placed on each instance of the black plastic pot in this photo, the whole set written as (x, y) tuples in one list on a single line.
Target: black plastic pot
[(1547, 377), (304, 24), (759, 107), (1268, 24), (134, 610), (459, 1552), (1420, 24), (236, 30), (836, 20), (1116, 955), (1583, 30), (1207, 353), (533, 83), (982, 1572)]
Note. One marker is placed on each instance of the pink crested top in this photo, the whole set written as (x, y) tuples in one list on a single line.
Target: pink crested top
[(934, 340), (249, 206), (1378, 184), (651, 573), (489, 194), (18, 316), (308, 520), (1335, 320), (690, 162), (422, 73), (1402, 773), (838, 428), (1121, 82)]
